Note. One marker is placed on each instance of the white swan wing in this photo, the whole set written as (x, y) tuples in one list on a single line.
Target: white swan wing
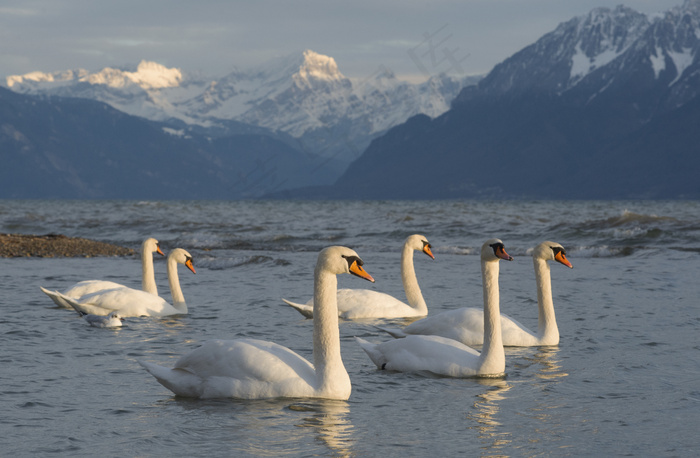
[(127, 301), (242, 368), (415, 353), (365, 303), (464, 325), (86, 287), (361, 303)]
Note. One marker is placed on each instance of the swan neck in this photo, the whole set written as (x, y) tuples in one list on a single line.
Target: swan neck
[(547, 322), (175, 290), (410, 282), (492, 358), (148, 277), (331, 375)]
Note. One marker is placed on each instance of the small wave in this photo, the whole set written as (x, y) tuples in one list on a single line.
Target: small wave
[(216, 263), (628, 218), (601, 251)]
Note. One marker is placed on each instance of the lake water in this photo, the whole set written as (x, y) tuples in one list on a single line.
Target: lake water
[(624, 380)]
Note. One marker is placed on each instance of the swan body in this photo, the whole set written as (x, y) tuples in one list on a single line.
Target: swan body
[(112, 320), (134, 302), (256, 369), (82, 288), (364, 303), (448, 357), (467, 324)]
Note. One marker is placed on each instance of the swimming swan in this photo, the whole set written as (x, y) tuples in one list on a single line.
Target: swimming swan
[(364, 303), (466, 325), (256, 369), (134, 302), (442, 356), (148, 278)]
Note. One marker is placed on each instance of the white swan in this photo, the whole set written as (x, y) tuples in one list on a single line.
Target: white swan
[(466, 325), (113, 320), (442, 356), (256, 369), (364, 303), (148, 278), (134, 302)]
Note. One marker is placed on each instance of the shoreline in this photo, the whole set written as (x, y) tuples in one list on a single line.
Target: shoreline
[(56, 246)]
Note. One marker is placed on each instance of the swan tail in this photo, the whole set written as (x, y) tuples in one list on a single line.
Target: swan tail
[(396, 333), (371, 349), (56, 297), (82, 309), (304, 309), (179, 381)]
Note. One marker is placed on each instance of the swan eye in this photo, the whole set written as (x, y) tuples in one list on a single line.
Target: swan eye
[(499, 250), (351, 259), (558, 249), (497, 247)]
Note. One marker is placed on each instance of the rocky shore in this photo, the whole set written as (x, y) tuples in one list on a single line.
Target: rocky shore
[(56, 246)]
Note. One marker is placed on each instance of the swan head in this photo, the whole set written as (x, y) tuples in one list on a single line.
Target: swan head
[(151, 245), (182, 257), (494, 250), (419, 243), (341, 260), (551, 251)]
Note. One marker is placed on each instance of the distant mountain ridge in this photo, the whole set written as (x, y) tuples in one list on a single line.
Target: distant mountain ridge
[(604, 106), (607, 105), (303, 96)]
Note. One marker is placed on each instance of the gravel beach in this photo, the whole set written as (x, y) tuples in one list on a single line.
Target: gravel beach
[(56, 246)]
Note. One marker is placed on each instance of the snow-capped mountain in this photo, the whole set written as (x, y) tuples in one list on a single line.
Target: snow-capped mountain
[(604, 106), (305, 96), (610, 50)]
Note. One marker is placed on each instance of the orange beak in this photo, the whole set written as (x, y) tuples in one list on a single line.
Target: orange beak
[(159, 251), (428, 251), (190, 266), (357, 269), (501, 253), (561, 257)]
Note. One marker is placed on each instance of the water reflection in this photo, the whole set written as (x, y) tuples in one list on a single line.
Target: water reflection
[(550, 367), (270, 427), (331, 423), (486, 411)]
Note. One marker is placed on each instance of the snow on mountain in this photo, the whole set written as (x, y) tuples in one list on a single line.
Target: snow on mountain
[(303, 95), (606, 48)]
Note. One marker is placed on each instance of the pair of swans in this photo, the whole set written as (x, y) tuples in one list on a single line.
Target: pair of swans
[(129, 302), (466, 325), (82, 288), (256, 369), (364, 303), (448, 357)]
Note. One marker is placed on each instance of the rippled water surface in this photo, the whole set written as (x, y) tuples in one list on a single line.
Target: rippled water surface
[(624, 380)]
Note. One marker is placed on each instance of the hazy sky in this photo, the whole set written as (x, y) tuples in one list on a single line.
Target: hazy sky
[(414, 39)]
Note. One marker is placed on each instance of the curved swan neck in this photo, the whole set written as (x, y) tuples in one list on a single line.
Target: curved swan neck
[(492, 356), (330, 371), (547, 323), (410, 282), (175, 290), (148, 277)]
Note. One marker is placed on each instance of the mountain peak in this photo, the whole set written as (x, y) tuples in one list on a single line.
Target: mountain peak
[(148, 75), (318, 66)]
